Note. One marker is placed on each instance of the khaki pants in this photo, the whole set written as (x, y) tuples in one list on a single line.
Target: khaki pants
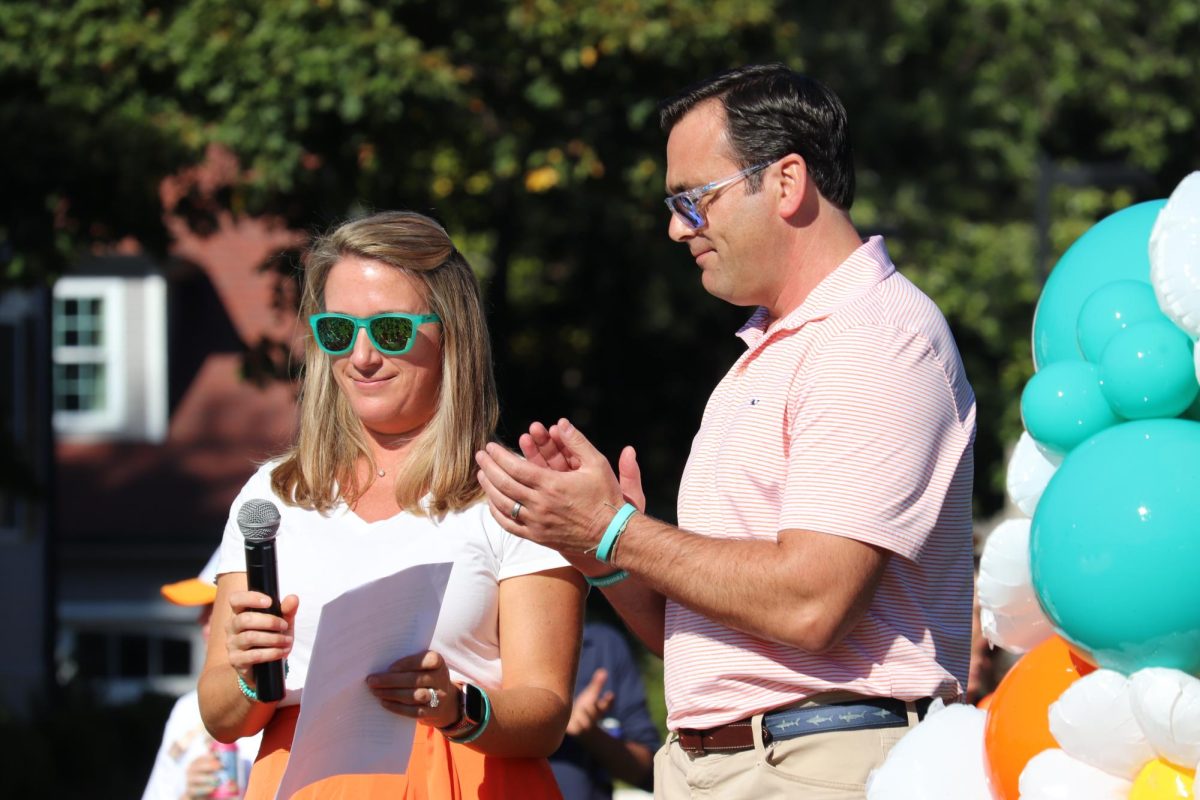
[(819, 766)]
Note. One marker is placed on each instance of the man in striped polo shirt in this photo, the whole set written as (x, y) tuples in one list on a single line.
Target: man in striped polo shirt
[(817, 592)]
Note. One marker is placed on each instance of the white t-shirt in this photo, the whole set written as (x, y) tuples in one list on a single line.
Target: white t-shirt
[(321, 556), (184, 740)]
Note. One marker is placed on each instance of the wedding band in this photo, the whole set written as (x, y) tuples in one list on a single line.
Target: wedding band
[(433, 699), (516, 509)]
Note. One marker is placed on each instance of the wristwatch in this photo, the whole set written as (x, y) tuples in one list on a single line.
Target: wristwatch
[(472, 711)]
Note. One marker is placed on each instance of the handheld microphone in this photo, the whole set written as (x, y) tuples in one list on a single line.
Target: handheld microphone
[(259, 521)]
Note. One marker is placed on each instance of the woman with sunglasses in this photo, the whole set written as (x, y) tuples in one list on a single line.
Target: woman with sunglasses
[(397, 396)]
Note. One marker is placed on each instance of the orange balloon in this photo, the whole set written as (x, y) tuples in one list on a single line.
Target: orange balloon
[(985, 702), (1018, 719)]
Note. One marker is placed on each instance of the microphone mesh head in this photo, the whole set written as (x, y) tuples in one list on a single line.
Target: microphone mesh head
[(259, 520)]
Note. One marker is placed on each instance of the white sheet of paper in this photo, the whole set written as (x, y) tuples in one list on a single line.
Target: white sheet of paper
[(342, 728)]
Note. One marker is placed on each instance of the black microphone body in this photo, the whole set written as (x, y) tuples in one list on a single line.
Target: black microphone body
[(259, 521)]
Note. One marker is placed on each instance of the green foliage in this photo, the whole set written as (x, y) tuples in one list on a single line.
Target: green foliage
[(528, 127)]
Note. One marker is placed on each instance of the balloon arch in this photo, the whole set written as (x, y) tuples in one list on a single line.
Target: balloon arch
[(1098, 586)]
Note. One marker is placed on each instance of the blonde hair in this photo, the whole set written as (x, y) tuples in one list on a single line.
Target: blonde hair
[(319, 469)]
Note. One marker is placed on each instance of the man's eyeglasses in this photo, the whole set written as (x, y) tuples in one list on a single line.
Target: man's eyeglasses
[(686, 205), (392, 334)]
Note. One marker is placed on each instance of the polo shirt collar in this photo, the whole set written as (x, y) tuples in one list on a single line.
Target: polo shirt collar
[(864, 269)]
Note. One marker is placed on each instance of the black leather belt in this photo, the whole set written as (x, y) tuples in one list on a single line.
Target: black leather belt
[(860, 714)]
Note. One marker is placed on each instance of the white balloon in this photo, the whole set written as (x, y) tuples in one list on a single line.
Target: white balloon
[(1166, 703), (1175, 256), (940, 759), (1093, 722), (1054, 775), (1009, 613), (1030, 468)]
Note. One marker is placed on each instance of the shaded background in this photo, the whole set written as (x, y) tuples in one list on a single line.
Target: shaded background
[(988, 135)]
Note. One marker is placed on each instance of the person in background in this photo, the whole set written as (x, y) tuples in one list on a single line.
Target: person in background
[(611, 735), (397, 395), (981, 680), (185, 766)]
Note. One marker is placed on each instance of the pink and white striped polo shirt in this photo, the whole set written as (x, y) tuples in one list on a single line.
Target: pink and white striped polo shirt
[(851, 416)]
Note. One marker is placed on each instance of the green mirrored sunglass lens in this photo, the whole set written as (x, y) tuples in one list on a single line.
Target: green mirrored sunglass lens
[(392, 333), (335, 334)]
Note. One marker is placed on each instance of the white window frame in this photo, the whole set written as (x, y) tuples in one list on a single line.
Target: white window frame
[(143, 419), (110, 354), (111, 620)]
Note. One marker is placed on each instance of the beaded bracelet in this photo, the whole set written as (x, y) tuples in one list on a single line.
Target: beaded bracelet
[(613, 532), (249, 691), (607, 580)]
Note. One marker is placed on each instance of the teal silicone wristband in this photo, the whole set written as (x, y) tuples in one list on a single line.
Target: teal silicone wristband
[(613, 532), (607, 580), (487, 717)]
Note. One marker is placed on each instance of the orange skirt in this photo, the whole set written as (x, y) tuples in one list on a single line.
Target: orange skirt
[(437, 770)]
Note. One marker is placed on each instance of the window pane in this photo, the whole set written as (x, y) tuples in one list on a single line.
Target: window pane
[(79, 374), (91, 322), (66, 313), (79, 387), (79, 322)]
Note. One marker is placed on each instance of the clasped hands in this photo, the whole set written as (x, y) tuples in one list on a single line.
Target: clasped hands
[(566, 488)]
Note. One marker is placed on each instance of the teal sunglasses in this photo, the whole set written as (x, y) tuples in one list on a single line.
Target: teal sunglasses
[(392, 334)]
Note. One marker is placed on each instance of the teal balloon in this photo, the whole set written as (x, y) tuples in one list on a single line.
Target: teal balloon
[(1115, 544), (1192, 412), (1063, 405), (1147, 371), (1115, 248), (1113, 308)]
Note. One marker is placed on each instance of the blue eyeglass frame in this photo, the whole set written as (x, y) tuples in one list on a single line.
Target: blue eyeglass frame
[(361, 323), (685, 204)]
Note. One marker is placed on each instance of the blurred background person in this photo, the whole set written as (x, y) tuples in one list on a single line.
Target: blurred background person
[(185, 766), (397, 395), (982, 678), (611, 735)]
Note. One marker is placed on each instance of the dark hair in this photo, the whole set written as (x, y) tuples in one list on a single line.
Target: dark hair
[(771, 111)]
